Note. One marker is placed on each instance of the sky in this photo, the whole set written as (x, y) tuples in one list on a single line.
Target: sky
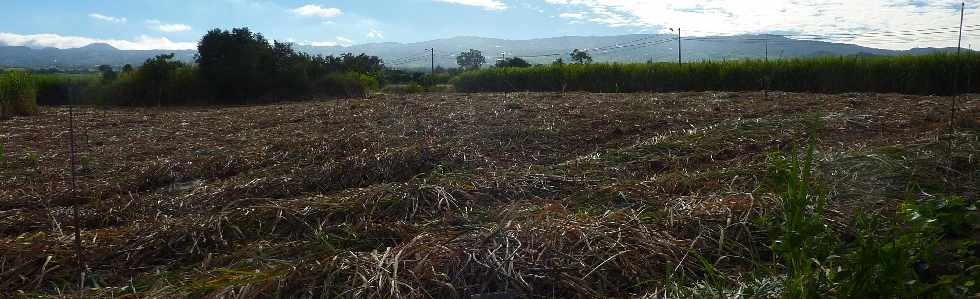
[(178, 24)]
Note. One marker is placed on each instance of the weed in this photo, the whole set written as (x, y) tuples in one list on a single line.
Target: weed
[(18, 96), (890, 257), (951, 214), (34, 158), (804, 235)]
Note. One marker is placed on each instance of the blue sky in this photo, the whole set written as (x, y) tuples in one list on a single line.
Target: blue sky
[(177, 24)]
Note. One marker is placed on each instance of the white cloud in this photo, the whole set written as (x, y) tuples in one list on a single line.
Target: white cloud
[(341, 41), (817, 17), (569, 15), (374, 33), (344, 40), (160, 26), (174, 27), (321, 44), (106, 18), (142, 42), (313, 10), (485, 4)]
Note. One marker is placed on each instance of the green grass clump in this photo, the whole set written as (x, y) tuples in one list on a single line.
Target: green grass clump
[(18, 96), (939, 74), (906, 256)]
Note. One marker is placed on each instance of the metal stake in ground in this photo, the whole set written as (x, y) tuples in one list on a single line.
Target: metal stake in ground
[(80, 268)]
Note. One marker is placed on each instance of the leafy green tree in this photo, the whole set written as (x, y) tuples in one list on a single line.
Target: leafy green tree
[(361, 63), (128, 68), (108, 74), (471, 60), (236, 63), (581, 57), (513, 62), (292, 69), (558, 61), (156, 74)]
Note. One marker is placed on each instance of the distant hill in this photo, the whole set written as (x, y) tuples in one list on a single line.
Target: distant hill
[(87, 56), (414, 55)]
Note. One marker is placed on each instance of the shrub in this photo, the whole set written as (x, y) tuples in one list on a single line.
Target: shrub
[(56, 89), (18, 96), (346, 84)]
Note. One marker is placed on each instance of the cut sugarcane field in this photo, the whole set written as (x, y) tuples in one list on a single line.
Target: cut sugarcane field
[(649, 165)]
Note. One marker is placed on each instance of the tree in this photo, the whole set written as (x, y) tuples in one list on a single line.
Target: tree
[(581, 57), (513, 62), (156, 73), (361, 63), (558, 62), (471, 60), (108, 75), (235, 63), (128, 68), (291, 69)]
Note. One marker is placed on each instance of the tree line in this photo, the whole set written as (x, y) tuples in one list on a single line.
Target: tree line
[(473, 59), (234, 66)]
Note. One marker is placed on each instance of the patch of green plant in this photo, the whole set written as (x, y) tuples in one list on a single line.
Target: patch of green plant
[(952, 214), (346, 84), (804, 235), (34, 158), (911, 255), (926, 74), (908, 255), (18, 95), (62, 89)]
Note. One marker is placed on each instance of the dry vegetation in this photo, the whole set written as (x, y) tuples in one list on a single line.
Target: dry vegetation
[(452, 195)]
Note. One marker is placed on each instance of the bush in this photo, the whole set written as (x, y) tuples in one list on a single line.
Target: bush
[(55, 89), (940, 74), (18, 95), (346, 84)]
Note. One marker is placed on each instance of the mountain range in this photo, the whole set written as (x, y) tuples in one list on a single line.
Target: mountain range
[(620, 48)]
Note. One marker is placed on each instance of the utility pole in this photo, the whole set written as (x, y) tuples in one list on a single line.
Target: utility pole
[(432, 54), (766, 42), (679, 57), (959, 43)]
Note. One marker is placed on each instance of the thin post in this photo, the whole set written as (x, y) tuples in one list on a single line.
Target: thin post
[(959, 43), (766, 42), (679, 57), (432, 54), (80, 271)]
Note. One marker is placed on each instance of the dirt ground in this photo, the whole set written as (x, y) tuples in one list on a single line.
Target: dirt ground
[(447, 195)]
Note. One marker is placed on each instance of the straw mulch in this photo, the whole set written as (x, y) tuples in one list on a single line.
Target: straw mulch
[(440, 195)]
